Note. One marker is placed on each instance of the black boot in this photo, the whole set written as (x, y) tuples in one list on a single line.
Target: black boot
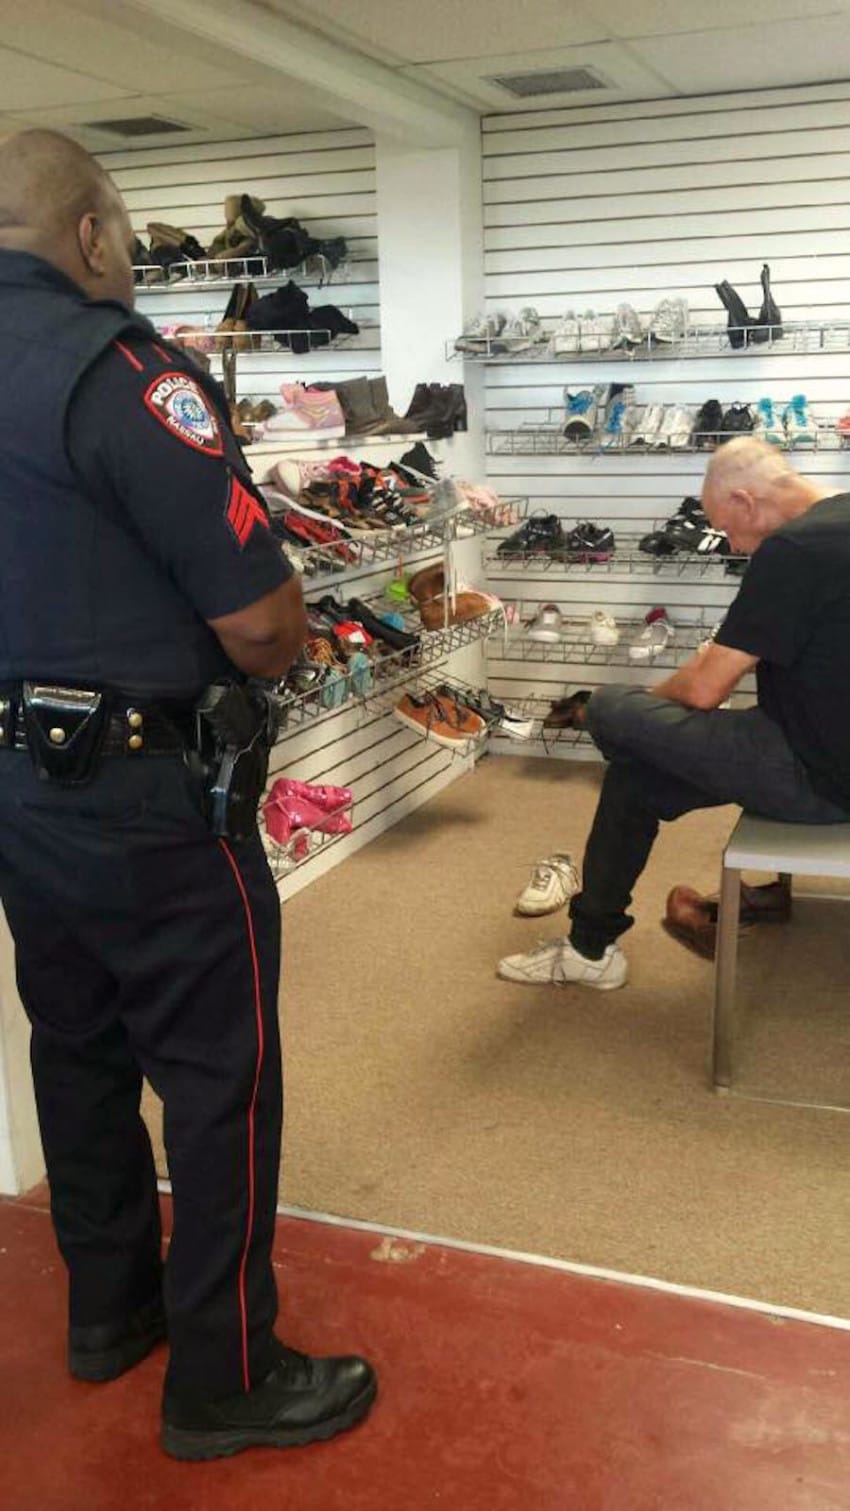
[(769, 324), (739, 322), (105, 1350), (303, 1400)]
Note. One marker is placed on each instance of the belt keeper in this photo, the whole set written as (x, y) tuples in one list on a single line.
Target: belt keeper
[(7, 733)]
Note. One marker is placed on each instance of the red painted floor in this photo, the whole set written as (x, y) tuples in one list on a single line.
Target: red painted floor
[(504, 1387)]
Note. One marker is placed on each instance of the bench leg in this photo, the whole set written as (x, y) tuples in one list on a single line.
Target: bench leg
[(725, 966)]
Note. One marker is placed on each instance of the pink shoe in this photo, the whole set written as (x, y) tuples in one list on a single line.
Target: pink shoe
[(306, 412), (328, 799), (286, 816)]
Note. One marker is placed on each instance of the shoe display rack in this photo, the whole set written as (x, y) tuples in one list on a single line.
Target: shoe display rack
[(221, 273), (575, 646), (548, 439), (626, 560), (356, 556), (795, 339), (393, 673)]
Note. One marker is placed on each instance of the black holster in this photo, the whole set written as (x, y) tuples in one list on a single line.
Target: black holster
[(236, 726)]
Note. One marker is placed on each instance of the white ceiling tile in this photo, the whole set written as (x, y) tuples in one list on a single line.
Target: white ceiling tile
[(406, 31), (26, 81), (750, 57), (55, 33), (626, 76), (664, 18)]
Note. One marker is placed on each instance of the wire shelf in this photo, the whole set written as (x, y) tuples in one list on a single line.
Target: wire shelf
[(393, 671), (550, 440), (625, 559), (575, 644), (379, 548), (253, 342), (223, 272), (795, 338)]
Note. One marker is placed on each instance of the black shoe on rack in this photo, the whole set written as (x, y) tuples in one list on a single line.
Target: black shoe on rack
[(420, 462), (708, 424), (590, 543), (302, 1400), (769, 324), (284, 243), (739, 323), (397, 640), (737, 420), (540, 535)]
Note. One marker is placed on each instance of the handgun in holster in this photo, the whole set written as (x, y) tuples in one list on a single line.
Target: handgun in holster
[(236, 726)]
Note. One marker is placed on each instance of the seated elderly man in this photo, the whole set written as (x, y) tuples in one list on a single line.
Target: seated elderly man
[(675, 749)]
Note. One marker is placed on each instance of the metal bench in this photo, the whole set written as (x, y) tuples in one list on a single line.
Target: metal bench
[(758, 844)]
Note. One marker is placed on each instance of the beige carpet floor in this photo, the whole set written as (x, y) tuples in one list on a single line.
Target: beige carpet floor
[(424, 1093)]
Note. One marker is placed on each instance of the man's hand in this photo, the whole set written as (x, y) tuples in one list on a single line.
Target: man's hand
[(707, 679)]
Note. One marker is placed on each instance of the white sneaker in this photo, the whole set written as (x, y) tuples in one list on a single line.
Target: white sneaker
[(603, 628), (626, 329), (648, 426), (479, 333), (669, 321), (552, 883), (799, 428), (521, 332), (558, 964), (594, 334), (675, 429), (566, 336), (653, 638), (547, 626)]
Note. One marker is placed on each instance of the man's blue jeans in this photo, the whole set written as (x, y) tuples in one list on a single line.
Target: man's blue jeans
[(666, 760)]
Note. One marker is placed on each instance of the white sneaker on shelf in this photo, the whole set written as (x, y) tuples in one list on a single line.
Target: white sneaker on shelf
[(521, 332), (653, 638), (565, 339), (603, 628), (595, 334), (669, 321), (768, 426), (626, 329), (559, 964), (552, 883), (675, 429), (547, 626), (479, 333), (648, 425)]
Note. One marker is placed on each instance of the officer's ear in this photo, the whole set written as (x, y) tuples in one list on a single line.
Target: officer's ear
[(92, 243)]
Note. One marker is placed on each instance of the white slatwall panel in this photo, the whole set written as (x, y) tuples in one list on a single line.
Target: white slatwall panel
[(589, 207), (327, 180)]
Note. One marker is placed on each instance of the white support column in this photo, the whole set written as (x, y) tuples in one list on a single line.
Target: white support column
[(430, 253), (21, 1159)]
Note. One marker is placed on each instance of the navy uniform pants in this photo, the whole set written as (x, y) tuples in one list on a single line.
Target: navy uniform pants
[(146, 947)]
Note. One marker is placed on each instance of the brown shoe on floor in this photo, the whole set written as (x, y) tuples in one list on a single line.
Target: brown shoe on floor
[(692, 919)]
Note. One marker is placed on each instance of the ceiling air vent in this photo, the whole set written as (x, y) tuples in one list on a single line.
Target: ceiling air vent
[(138, 125), (525, 86)]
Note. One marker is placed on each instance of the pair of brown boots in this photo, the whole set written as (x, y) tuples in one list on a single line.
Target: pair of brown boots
[(366, 405)]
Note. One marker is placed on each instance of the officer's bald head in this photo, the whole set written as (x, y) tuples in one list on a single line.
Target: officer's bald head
[(751, 489), (57, 202)]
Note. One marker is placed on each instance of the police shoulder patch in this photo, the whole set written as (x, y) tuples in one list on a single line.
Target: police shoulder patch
[(181, 405)]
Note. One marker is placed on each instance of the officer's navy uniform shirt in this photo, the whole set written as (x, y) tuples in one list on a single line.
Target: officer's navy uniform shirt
[(127, 509)]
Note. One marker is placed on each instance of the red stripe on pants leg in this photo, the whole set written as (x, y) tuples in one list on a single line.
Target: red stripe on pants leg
[(258, 1007)]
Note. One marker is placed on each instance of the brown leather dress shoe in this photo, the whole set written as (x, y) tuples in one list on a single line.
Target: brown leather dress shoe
[(692, 919)]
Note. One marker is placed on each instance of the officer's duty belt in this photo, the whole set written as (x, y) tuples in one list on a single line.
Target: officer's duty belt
[(132, 729)]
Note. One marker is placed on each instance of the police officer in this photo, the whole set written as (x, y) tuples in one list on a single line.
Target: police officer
[(137, 568)]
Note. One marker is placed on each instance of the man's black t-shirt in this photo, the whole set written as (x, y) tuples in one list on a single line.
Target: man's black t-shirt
[(793, 612)]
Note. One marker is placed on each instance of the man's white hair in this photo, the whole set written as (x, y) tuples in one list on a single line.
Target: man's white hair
[(749, 464)]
